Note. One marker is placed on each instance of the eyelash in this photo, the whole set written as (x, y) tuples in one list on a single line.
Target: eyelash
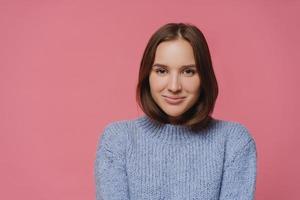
[(193, 71)]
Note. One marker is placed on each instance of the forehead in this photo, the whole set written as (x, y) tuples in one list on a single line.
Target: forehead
[(174, 52)]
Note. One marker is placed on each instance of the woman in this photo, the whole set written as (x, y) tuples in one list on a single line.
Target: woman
[(176, 150)]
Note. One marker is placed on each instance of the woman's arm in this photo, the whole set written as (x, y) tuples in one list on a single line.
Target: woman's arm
[(110, 173), (239, 175)]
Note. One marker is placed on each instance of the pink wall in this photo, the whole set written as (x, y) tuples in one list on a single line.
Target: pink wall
[(67, 68)]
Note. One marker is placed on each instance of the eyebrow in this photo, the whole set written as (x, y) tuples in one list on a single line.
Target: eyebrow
[(183, 66)]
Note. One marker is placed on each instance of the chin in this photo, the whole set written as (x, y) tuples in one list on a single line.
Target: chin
[(174, 114)]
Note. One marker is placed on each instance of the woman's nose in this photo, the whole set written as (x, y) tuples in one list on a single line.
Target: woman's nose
[(174, 83)]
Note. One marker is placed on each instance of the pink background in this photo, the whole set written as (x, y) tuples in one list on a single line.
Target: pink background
[(67, 68)]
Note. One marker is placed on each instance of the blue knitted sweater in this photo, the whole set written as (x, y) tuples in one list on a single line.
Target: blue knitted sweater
[(141, 159)]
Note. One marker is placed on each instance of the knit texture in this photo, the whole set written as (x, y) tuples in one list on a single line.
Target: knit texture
[(141, 159)]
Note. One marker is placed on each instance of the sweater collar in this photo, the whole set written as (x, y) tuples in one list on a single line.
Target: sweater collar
[(167, 132)]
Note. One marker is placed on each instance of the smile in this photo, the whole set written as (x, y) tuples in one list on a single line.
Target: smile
[(173, 101)]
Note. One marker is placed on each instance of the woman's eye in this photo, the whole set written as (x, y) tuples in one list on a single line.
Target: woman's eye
[(190, 71), (160, 71)]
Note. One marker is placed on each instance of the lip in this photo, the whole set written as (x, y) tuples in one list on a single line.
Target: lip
[(174, 101), (173, 97)]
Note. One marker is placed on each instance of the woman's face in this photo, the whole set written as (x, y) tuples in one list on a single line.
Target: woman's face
[(174, 75)]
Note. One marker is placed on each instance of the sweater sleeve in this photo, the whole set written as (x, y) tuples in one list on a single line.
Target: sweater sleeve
[(110, 173), (239, 175)]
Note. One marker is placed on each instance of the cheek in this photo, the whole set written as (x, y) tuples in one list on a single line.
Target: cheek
[(192, 86), (156, 83)]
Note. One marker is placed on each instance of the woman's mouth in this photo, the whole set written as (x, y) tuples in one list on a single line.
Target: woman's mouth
[(174, 101)]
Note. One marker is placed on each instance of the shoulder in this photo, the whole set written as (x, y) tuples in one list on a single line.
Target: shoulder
[(234, 131), (237, 136), (114, 135), (114, 128)]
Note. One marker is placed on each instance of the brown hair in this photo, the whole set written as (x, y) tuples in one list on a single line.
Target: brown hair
[(198, 116)]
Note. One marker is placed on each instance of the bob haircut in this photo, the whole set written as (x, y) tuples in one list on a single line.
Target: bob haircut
[(198, 116)]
